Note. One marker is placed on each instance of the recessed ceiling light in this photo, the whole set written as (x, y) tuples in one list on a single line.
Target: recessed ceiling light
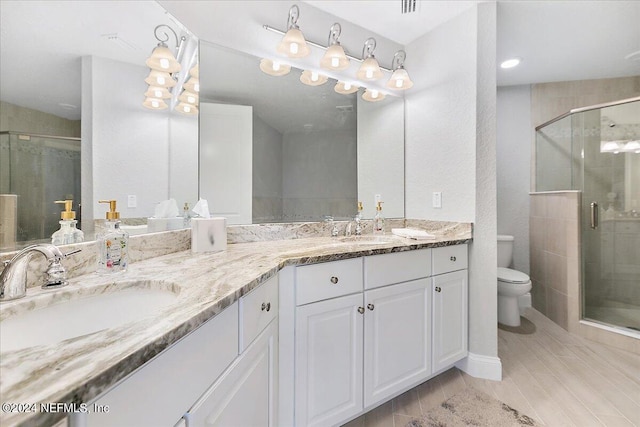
[(510, 63)]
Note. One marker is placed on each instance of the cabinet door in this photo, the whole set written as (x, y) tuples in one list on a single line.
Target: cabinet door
[(328, 372), (397, 339), (449, 318), (246, 393)]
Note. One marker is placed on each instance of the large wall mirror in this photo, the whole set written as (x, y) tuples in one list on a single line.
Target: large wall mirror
[(273, 149), (72, 121)]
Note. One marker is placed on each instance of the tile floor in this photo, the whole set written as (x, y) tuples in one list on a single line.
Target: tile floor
[(557, 378)]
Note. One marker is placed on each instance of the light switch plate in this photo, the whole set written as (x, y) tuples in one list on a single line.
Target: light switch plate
[(437, 199), (132, 201)]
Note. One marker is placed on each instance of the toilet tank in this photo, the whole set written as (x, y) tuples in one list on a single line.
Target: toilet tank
[(505, 250)]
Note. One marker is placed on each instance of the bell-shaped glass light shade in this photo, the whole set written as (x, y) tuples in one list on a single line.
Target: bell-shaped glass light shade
[(155, 104), (195, 71), (159, 78), (334, 58), (157, 92), (611, 146), (372, 95), (345, 88), (187, 109), (162, 59), (189, 97), (313, 78), (293, 44), (274, 68), (192, 85), (369, 70), (632, 146), (400, 80)]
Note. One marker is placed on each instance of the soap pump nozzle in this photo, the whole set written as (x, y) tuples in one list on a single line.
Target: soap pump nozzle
[(67, 214), (112, 214)]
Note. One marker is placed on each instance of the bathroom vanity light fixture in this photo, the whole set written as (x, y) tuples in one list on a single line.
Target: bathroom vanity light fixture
[(158, 92), (189, 97), (187, 109), (334, 58), (345, 88), (293, 43), (370, 69), (160, 78), (400, 78), (274, 68), (155, 104), (313, 78), (162, 58), (372, 95)]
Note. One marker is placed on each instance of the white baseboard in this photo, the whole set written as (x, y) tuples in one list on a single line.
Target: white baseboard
[(480, 366)]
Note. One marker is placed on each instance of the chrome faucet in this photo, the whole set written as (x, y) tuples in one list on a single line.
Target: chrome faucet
[(13, 280)]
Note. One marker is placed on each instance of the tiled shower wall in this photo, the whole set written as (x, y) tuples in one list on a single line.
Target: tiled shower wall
[(555, 256)]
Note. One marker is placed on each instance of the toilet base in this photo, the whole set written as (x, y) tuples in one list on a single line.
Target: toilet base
[(508, 310)]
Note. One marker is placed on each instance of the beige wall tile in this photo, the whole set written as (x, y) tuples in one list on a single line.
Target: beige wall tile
[(557, 308), (556, 272), (556, 237)]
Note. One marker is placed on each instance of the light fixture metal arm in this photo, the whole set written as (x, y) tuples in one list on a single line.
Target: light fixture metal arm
[(163, 36), (294, 14), (398, 60), (334, 34), (368, 48)]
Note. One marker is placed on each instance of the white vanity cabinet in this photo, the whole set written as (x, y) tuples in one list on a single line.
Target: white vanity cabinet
[(450, 307), (367, 329), (207, 377)]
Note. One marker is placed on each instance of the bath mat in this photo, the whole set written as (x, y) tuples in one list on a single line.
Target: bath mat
[(526, 327), (471, 407)]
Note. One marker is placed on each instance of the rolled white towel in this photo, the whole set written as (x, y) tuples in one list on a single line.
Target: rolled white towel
[(412, 233)]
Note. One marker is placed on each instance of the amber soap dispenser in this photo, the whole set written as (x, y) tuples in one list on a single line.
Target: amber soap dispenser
[(113, 243)]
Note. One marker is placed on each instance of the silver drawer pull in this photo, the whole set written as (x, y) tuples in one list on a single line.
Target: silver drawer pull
[(265, 306), (334, 279), (453, 258), (361, 310), (370, 307), (438, 289)]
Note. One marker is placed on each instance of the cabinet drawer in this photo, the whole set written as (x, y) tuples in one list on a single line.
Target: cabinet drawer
[(329, 280), (257, 309), (386, 269), (449, 258)]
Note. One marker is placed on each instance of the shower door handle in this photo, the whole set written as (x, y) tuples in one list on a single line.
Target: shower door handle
[(594, 215)]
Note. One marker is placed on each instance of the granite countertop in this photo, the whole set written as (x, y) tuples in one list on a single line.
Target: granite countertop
[(79, 369)]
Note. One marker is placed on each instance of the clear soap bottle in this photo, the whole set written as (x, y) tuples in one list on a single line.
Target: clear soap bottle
[(378, 220), (68, 232), (113, 243)]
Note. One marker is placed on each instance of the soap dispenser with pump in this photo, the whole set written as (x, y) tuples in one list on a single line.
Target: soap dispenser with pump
[(113, 243), (68, 232), (378, 220)]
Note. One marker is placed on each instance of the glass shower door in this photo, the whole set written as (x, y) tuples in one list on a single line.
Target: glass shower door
[(610, 140)]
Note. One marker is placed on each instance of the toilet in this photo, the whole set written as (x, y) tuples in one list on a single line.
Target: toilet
[(513, 285)]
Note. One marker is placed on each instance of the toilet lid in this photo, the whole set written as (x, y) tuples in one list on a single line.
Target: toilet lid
[(512, 276)]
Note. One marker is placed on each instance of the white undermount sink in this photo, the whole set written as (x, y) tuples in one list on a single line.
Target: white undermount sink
[(368, 240), (83, 315)]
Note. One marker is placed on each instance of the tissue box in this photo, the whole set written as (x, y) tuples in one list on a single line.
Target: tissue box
[(208, 234)]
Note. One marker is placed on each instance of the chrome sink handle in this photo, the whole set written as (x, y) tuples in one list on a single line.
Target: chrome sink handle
[(13, 280)]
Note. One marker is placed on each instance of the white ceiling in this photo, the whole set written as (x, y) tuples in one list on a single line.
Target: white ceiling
[(557, 40)]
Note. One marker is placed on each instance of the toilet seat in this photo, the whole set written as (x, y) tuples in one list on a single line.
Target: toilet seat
[(508, 275)]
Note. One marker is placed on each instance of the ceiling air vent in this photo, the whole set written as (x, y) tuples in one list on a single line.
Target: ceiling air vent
[(408, 6)]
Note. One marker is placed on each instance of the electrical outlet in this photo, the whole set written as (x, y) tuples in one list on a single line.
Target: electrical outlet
[(437, 199), (132, 201)]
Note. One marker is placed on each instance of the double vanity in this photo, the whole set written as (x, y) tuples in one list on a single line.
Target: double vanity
[(307, 331)]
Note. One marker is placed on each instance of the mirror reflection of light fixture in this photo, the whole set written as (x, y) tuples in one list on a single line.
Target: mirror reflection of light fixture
[(369, 69), (195, 71), (192, 85), (313, 78), (611, 146), (160, 78), (274, 68), (400, 78), (372, 95), (155, 104), (632, 147), (187, 109), (189, 97), (157, 92), (293, 43), (162, 58), (334, 58), (345, 88)]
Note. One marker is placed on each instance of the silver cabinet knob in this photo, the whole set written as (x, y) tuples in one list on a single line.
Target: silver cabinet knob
[(266, 306), (453, 258), (361, 310), (438, 289), (334, 279), (370, 307)]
